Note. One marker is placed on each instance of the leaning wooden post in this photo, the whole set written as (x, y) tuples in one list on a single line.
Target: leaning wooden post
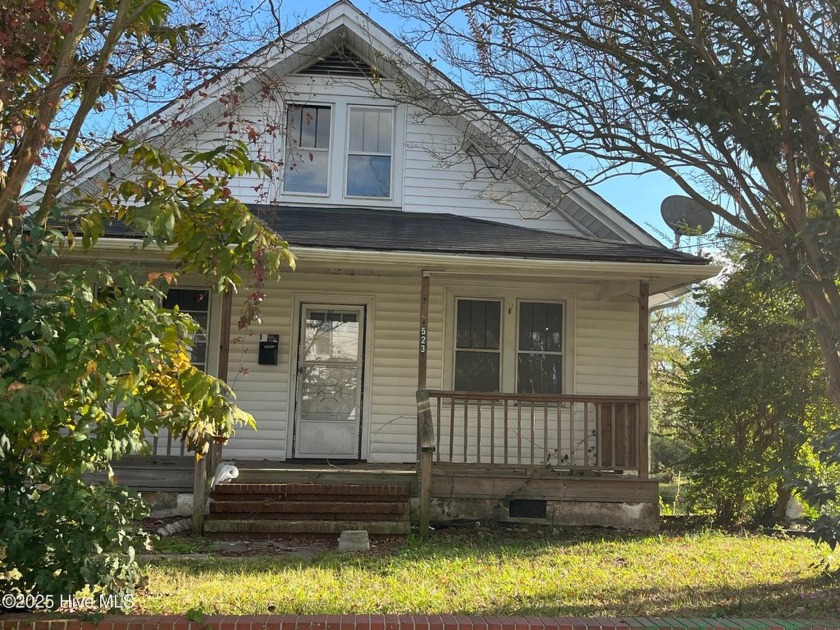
[(200, 475), (644, 376), (205, 468), (426, 431)]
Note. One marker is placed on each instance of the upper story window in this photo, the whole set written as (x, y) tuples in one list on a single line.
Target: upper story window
[(307, 160), (369, 152)]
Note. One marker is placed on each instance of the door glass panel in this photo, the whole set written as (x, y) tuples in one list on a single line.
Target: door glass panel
[(331, 336), (328, 392)]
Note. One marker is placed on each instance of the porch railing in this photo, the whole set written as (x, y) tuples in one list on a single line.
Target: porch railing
[(164, 444), (586, 433)]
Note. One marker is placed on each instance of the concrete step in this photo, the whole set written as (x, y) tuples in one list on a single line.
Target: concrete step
[(261, 528)]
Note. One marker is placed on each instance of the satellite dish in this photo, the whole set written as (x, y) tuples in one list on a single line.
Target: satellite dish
[(685, 215)]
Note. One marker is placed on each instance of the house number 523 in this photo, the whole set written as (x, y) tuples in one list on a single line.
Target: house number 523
[(422, 340)]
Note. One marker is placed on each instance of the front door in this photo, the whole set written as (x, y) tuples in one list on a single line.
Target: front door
[(328, 407)]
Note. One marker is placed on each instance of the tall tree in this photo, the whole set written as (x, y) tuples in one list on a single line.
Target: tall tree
[(90, 362), (753, 409), (736, 100)]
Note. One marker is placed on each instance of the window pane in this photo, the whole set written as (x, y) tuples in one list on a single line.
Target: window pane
[(187, 299), (370, 131), (384, 132), (308, 127), (476, 371), (540, 327), (196, 302), (322, 132), (357, 121), (331, 337), (479, 324), (539, 374), (306, 171), (368, 176), (293, 115)]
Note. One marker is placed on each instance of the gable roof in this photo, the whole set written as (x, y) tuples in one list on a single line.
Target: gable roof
[(312, 46)]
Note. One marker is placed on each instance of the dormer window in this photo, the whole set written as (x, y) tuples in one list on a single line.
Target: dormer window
[(369, 152), (307, 164)]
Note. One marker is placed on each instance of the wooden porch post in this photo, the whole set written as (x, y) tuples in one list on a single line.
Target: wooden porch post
[(205, 467), (424, 328), (644, 376), (425, 429), (422, 342)]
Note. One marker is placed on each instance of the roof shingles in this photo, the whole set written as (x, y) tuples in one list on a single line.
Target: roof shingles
[(395, 230)]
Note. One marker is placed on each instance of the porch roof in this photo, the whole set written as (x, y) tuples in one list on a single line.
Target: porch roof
[(395, 230)]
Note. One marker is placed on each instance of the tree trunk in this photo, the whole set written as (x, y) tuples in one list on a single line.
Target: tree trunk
[(826, 324), (783, 495)]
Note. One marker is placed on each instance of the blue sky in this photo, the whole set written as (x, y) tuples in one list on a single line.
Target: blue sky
[(638, 197)]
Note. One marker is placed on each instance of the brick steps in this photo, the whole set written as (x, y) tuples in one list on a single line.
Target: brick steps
[(259, 527), (337, 508), (266, 509)]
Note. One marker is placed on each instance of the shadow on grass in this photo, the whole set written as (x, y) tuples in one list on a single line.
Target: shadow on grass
[(807, 598), (613, 588)]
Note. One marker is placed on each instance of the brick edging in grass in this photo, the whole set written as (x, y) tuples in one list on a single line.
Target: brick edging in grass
[(406, 622)]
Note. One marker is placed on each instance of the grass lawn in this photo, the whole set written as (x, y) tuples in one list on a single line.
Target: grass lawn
[(515, 572)]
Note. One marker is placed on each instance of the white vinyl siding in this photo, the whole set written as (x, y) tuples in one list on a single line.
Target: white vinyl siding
[(606, 347), (431, 173), (601, 346), (390, 367)]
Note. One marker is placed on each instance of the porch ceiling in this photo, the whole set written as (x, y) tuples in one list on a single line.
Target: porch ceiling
[(431, 233)]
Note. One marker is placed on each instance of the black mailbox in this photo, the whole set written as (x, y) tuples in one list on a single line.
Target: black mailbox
[(269, 349)]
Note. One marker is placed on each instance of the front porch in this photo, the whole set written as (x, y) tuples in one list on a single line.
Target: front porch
[(561, 460), (567, 459)]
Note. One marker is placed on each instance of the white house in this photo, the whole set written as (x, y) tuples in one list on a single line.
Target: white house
[(433, 254)]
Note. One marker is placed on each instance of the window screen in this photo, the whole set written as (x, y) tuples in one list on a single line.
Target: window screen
[(478, 346), (539, 368)]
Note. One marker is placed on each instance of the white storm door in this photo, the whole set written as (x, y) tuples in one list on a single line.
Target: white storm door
[(329, 382)]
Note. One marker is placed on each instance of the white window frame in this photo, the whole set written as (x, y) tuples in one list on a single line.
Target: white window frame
[(510, 293), (561, 353), (207, 329), (347, 152), (501, 349), (330, 150)]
